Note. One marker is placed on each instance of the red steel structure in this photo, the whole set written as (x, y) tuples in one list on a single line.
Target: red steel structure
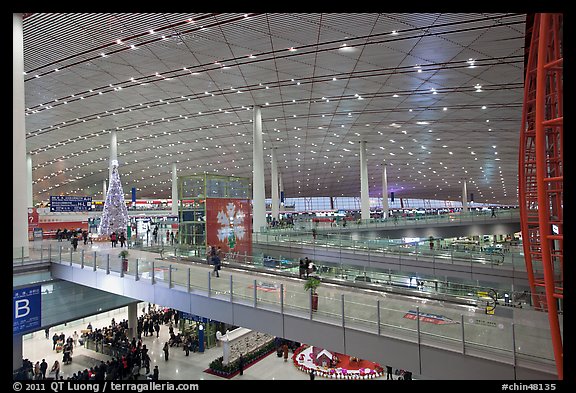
[(541, 172)]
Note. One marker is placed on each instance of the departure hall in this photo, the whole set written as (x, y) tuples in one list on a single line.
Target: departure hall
[(287, 196)]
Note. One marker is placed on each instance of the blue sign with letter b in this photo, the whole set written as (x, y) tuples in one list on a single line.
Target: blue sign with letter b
[(26, 309)]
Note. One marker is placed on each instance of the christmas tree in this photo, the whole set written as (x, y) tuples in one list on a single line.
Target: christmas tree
[(115, 214)]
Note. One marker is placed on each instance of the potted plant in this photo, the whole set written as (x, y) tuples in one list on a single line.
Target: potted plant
[(311, 284), (124, 256)]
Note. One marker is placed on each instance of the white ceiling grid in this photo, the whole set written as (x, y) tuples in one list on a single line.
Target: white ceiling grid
[(317, 101)]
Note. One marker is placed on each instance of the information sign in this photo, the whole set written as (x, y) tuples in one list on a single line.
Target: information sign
[(61, 203), (26, 309)]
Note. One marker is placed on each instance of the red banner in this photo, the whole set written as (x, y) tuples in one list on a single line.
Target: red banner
[(229, 224)]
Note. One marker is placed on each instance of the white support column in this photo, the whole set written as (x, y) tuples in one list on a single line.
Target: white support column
[(113, 153), (464, 197), (384, 192), (281, 188), (19, 175), (174, 190), (132, 319), (364, 195), (17, 351), (275, 196), (258, 192), (30, 198), (104, 190)]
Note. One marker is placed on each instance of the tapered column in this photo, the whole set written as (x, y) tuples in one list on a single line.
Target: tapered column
[(384, 192), (19, 173), (258, 193), (281, 188), (29, 196), (132, 319), (275, 196), (104, 190), (464, 197), (364, 196), (174, 190), (113, 154), (17, 351)]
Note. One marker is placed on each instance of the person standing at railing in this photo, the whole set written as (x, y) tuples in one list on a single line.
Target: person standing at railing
[(301, 268)]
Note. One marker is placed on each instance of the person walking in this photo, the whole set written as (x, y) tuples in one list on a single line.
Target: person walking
[(54, 341), (113, 239), (122, 239), (55, 369), (157, 328), (47, 332), (75, 337), (285, 351), (241, 364), (37, 372), (74, 242), (171, 238), (312, 375), (43, 368), (389, 372), (301, 268), (166, 350)]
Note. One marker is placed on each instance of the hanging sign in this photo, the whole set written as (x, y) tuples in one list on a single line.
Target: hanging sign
[(60, 203)]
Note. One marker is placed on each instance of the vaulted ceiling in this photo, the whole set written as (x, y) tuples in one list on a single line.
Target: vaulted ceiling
[(437, 97)]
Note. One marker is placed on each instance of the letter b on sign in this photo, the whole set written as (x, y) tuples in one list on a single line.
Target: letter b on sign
[(22, 308)]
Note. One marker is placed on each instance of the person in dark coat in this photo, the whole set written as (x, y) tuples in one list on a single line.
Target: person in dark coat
[(312, 375), (43, 368), (155, 376), (241, 364), (166, 350)]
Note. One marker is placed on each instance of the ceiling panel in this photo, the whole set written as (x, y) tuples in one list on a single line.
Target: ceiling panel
[(168, 117)]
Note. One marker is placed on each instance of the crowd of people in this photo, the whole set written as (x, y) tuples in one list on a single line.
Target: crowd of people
[(130, 359), (74, 236)]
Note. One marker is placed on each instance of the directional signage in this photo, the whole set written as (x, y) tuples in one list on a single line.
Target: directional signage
[(70, 203), (193, 317), (26, 309)]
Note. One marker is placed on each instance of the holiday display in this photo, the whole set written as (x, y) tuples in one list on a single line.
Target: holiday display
[(334, 365), (115, 214)]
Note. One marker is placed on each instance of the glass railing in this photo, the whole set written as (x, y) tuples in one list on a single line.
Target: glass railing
[(398, 221), (499, 257), (429, 324)]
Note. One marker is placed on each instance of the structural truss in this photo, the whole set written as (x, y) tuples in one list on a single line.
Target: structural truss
[(541, 172)]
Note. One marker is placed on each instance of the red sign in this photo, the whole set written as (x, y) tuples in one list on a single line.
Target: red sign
[(32, 221), (229, 224)]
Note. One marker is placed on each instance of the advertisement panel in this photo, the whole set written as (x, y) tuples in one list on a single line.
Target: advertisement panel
[(229, 224)]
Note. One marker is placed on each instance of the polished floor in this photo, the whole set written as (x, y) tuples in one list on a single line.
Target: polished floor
[(178, 367)]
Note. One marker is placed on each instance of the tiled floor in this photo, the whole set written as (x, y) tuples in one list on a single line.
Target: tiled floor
[(178, 367)]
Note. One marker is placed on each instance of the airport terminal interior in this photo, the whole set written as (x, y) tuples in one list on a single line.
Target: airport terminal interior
[(288, 196)]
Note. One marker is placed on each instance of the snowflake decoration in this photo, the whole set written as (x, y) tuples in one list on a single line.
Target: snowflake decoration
[(232, 225)]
